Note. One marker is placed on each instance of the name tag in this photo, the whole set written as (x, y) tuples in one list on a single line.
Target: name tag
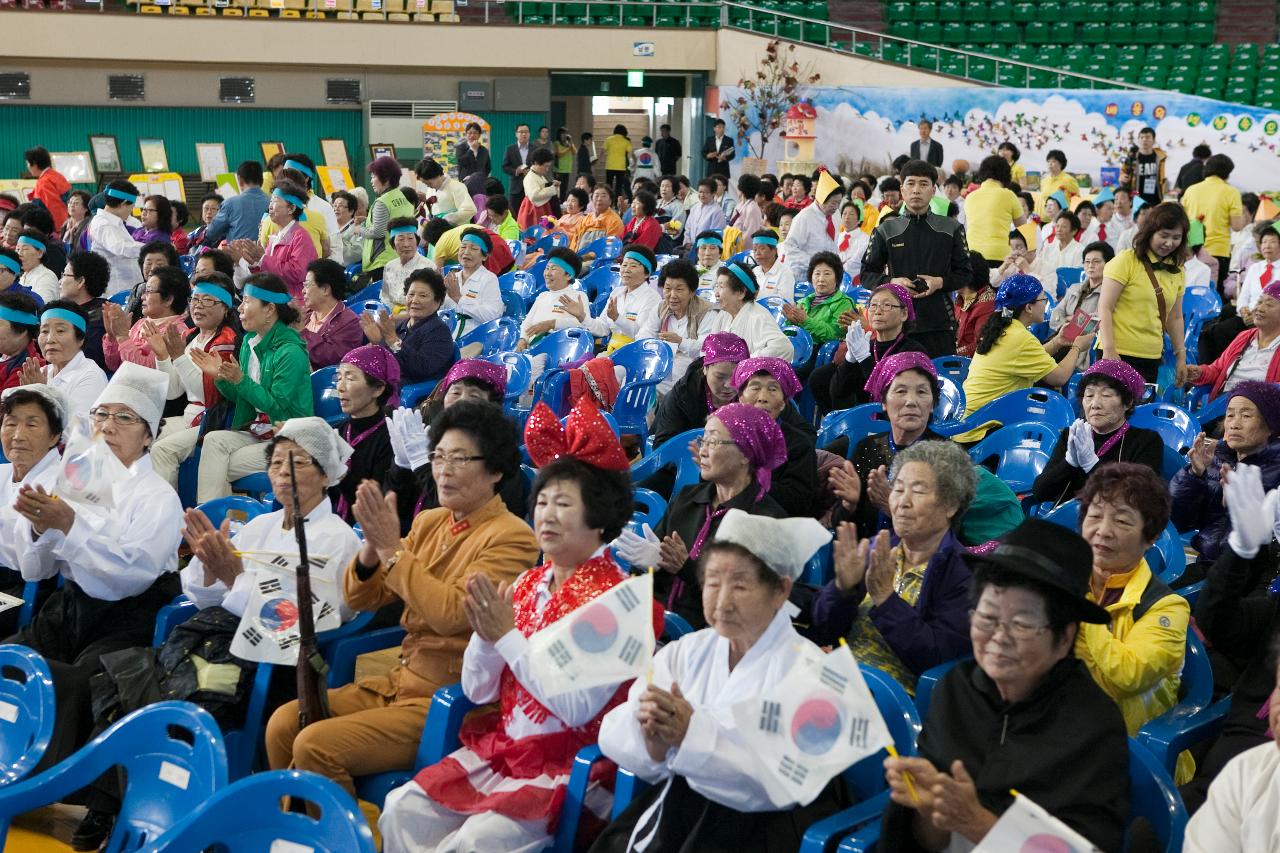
[(897, 245), (631, 315), (471, 294)]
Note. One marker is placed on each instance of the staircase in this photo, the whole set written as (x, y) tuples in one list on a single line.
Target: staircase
[(1241, 21)]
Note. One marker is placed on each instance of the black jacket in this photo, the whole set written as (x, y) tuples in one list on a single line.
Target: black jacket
[(1065, 747), (685, 515), (1189, 175), (935, 153), (426, 349), (717, 167), (470, 163), (668, 152), (926, 244), (1059, 481), (684, 407), (511, 163), (795, 482)]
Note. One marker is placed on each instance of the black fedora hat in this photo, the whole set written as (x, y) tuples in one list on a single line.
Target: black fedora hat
[(1051, 555)]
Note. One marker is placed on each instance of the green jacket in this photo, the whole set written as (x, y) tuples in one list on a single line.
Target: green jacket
[(284, 390), (378, 250), (994, 512), (824, 324)]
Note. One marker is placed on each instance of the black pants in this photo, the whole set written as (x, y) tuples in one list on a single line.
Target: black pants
[(617, 180), (565, 184), (1149, 368), (1224, 267), (937, 343)]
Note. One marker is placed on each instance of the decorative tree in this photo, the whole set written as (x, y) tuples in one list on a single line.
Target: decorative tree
[(768, 95)]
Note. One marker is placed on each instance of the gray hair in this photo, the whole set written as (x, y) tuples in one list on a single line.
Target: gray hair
[(952, 468)]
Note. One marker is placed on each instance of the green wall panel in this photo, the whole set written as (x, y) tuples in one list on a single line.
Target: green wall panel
[(240, 129), (502, 132)]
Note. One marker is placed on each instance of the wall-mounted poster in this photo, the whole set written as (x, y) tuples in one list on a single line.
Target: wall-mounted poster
[(443, 133), (106, 153), (154, 157), (381, 149), (270, 149), (75, 166), (335, 153), (212, 157)]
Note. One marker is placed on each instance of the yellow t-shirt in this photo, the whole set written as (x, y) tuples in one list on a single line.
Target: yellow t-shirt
[(1016, 361), (616, 150), (1213, 201), (1050, 185), (1019, 175), (989, 214), (313, 225), (1136, 326)]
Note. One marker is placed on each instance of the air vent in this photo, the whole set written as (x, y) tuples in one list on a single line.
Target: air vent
[(236, 90), (15, 86), (342, 91), (410, 109), (126, 87)]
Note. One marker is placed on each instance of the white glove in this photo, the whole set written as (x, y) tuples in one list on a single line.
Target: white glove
[(641, 551), (409, 439), (1253, 516), (1080, 452), (858, 342)]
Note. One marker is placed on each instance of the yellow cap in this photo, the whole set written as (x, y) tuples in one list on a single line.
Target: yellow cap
[(826, 186)]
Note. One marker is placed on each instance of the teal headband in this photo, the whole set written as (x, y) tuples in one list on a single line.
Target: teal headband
[(63, 314), (293, 200), (478, 240), (641, 260), (403, 229), (294, 164), (564, 265), (743, 276), (764, 240), (122, 195), (213, 290), (10, 264), (33, 243), (710, 241), (265, 295), (23, 317)]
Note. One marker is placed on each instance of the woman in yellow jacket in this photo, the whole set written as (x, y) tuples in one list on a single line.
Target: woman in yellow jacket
[(617, 160), (1137, 659)]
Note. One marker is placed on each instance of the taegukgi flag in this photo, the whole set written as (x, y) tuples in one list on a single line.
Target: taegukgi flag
[(1025, 827), (268, 630), (608, 640), (814, 724)]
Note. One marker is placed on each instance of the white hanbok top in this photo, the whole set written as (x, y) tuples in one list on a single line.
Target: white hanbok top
[(778, 281), (1250, 289), (81, 382), (1242, 813), (1053, 255), (480, 299), (683, 353), (108, 237), (631, 304), (329, 538), (43, 282), (755, 325), (714, 757), (547, 307), (852, 252), (113, 554), (394, 275), (807, 237), (43, 473)]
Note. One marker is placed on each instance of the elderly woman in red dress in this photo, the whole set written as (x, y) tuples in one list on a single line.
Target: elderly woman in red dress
[(502, 790)]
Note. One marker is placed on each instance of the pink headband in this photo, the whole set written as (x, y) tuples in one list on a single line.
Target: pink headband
[(723, 346), (758, 436), (775, 367), (887, 370), (904, 296), (493, 375), (378, 363)]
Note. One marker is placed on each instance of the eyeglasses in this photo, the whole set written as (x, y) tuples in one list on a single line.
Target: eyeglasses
[(1015, 628), (206, 302), (451, 461), (124, 419), (884, 306), (150, 210), (713, 442)]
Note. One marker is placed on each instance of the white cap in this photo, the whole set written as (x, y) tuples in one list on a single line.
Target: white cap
[(782, 544), (142, 389), (322, 442), (55, 397)]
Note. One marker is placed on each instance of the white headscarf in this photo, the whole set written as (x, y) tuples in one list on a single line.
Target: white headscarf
[(782, 544), (322, 442)]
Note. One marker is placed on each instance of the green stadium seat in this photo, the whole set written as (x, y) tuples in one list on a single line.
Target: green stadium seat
[(1036, 32), (790, 28), (818, 9), (1209, 91), (892, 51), (1174, 31), (955, 32), (983, 70), (1049, 12), (1049, 55), (1076, 11), (1202, 12), (974, 10), (926, 11), (815, 33), (1200, 32), (1022, 53), (1123, 12), (1239, 94), (950, 10), (1093, 32), (897, 12), (1024, 13), (1000, 10), (1175, 10), (1006, 32), (923, 56), (980, 31), (1120, 31), (930, 31), (1043, 79), (903, 29), (1013, 75)]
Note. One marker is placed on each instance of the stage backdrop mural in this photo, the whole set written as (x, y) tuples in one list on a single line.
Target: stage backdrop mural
[(1094, 128)]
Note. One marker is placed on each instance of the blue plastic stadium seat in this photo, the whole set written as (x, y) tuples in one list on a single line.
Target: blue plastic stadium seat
[(1177, 427), (856, 423), (324, 395), (1021, 451), (26, 687)]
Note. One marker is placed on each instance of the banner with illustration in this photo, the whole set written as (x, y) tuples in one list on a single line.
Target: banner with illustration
[(1094, 128)]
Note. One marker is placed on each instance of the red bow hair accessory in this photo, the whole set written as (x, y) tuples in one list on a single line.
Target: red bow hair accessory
[(585, 436)]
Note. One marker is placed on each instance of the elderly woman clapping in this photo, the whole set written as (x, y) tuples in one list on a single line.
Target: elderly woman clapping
[(1016, 716), (905, 607), (678, 731)]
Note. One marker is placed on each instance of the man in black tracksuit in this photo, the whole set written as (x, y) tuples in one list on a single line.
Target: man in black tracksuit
[(926, 253)]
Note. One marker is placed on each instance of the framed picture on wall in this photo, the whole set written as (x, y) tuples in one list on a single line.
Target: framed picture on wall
[(212, 157), (75, 166), (270, 149), (381, 149), (335, 153), (106, 153), (154, 157)]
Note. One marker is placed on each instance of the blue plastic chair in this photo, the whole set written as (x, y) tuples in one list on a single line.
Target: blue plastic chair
[(954, 367), (1177, 427), (826, 353), (374, 306), (820, 567), (1068, 276), (238, 508), (120, 298), (26, 695), (352, 271), (449, 317), (247, 818), (324, 395), (1166, 558), (517, 250), (674, 626), (950, 403), (173, 759), (1029, 404), (650, 506), (773, 304), (648, 362), (1153, 797), (1021, 451), (187, 263), (560, 347), (364, 294), (605, 249), (519, 371), (929, 679), (1066, 514), (533, 233), (255, 485), (801, 345), (412, 395), (599, 280), (1161, 736), (513, 306), (1199, 304), (673, 451), (856, 423), (495, 336)]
